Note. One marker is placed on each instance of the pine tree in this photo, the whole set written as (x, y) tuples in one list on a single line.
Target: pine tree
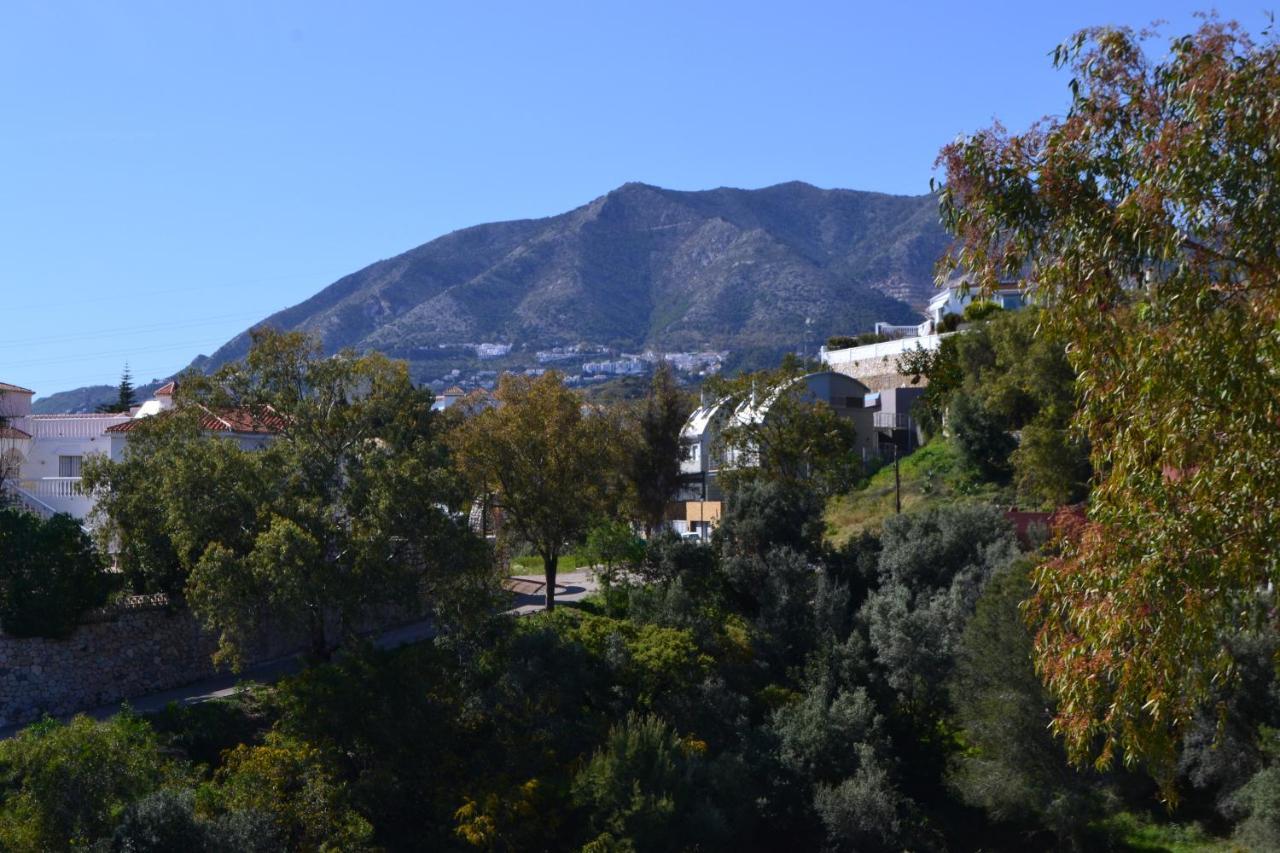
[(126, 398)]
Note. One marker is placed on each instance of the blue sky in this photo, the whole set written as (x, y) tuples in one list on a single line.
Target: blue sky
[(173, 172)]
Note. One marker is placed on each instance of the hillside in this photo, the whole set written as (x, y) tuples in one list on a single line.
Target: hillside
[(932, 476), (727, 271)]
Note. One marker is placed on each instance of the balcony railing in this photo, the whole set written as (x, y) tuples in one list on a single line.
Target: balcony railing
[(53, 487), (891, 420)]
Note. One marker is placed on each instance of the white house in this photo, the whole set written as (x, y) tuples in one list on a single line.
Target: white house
[(44, 453), (41, 456), (954, 298)]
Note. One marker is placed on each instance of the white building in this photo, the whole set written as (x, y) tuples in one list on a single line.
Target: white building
[(43, 455), (878, 421)]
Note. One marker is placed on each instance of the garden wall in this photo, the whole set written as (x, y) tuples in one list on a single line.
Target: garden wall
[(129, 650), (120, 653)]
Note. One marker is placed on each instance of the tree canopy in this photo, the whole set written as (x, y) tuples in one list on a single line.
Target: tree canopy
[(340, 510), (1148, 221), (546, 457)]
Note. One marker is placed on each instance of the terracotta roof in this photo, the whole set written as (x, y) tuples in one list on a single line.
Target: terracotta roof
[(227, 420), (166, 390), (5, 386), (455, 391), (13, 432)]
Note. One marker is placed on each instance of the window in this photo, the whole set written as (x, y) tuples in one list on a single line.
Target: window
[(69, 466)]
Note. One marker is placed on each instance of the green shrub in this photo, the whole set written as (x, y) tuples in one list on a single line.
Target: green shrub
[(640, 791), (67, 785), (50, 573), (980, 310)]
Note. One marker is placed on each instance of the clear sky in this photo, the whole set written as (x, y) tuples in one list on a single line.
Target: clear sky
[(173, 171)]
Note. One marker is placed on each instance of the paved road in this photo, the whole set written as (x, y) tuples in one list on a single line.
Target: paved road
[(529, 598)]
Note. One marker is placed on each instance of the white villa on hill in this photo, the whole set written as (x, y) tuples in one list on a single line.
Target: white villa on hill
[(877, 364), (41, 456)]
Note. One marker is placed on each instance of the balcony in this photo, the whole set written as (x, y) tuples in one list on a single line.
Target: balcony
[(891, 420), (61, 494)]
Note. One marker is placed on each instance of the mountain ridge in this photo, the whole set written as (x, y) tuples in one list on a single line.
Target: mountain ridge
[(747, 271)]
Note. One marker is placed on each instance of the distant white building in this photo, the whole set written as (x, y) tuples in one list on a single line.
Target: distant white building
[(953, 299), (880, 421)]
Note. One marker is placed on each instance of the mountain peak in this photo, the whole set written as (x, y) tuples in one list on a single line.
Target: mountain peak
[(641, 267)]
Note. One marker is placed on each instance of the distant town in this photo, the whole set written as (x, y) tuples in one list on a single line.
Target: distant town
[(582, 364)]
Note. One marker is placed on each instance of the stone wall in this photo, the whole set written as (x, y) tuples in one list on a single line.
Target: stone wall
[(117, 655), (878, 374), (135, 647)]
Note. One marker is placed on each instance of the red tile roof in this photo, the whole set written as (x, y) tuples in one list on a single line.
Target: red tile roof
[(166, 390), (13, 432), (5, 386), (228, 420), (455, 391)]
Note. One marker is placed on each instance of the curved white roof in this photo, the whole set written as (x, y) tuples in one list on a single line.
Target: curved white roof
[(698, 423)]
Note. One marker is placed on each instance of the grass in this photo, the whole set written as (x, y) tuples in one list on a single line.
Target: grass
[(1140, 834), (932, 476), (532, 565)]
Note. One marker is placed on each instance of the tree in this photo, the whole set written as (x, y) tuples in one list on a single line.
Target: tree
[(640, 791), (50, 573), (1007, 393), (1013, 766), (547, 460), (340, 514), (1146, 219), (65, 785), (126, 396), (654, 452)]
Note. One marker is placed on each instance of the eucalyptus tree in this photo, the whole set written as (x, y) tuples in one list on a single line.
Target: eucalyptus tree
[(1148, 218)]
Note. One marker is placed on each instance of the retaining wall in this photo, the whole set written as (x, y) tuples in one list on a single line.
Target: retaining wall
[(132, 649)]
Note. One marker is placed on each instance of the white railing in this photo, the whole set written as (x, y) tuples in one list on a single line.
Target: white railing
[(886, 349), (53, 487), (28, 501), (67, 426), (913, 331)]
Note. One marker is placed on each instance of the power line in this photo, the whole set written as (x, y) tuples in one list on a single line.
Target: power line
[(125, 330)]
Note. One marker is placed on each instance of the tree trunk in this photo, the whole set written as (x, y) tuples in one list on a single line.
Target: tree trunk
[(319, 639), (549, 569)]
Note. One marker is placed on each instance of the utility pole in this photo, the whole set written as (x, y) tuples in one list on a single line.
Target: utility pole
[(897, 481)]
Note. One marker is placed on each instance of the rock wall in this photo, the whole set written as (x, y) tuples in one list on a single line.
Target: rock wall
[(115, 657), (878, 374)]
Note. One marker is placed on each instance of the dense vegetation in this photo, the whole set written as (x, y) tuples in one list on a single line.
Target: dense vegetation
[(827, 673)]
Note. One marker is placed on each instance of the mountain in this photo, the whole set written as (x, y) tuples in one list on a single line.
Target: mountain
[(639, 268)]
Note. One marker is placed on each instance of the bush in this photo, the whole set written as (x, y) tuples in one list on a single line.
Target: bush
[(288, 780), (68, 785), (639, 791), (761, 515), (50, 573), (980, 310), (981, 438), (166, 821)]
